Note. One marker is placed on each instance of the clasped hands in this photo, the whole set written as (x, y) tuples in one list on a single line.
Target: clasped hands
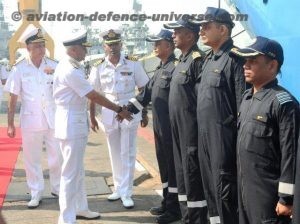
[(124, 114)]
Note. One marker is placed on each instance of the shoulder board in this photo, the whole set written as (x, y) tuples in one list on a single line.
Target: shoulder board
[(176, 61), (98, 62), (22, 59), (132, 58), (283, 97), (196, 54), (52, 59)]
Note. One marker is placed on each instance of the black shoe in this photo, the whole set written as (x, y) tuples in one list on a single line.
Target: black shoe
[(167, 218), (54, 195), (157, 210)]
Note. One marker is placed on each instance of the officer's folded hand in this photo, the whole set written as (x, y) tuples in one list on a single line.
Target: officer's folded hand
[(285, 210), (144, 121), (124, 114), (94, 125), (11, 131)]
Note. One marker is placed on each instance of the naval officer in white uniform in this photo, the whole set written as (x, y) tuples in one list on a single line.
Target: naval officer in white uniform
[(31, 79), (4, 70), (71, 91), (117, 77)]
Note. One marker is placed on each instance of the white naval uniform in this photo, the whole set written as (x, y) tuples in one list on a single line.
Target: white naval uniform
[(118, 84), (3, 75), (34, 87), (71, 128)]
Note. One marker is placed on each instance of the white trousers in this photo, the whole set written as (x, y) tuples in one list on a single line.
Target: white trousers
[(32, 142), (72, 195), (121, 141)]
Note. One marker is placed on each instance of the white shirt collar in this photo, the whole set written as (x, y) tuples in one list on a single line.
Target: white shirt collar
[(122, 61), (74, 61), (29, 61)]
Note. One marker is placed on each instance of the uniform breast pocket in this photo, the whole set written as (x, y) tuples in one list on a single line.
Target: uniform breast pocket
[(182, 78), (27, 83), (106, 79), (164, 82), (127, 82), (259, 139), (215, 79)]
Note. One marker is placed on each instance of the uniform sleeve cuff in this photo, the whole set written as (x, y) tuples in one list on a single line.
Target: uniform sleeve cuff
[(131, 108), (286, 188), (136, 104), (286, 200)]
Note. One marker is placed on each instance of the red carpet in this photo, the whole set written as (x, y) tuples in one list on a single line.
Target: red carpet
[(147, 134), (9, 150)]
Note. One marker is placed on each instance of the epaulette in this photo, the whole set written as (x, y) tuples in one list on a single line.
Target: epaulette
[(176, 61), (98, 62), (196, 54), (283, 97), (17, 62), (52, 59), (132, 58)]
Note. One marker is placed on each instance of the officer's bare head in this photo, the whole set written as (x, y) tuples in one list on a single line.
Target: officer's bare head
[(184, 38), (214, 34), (36, 50), (78, 52), (113, 49)]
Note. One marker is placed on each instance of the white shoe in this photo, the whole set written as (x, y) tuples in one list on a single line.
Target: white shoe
[(34, 202), (114, 196), (89, 215), (127, 202)]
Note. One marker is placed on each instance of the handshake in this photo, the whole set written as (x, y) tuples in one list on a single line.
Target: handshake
[(123, 113), (126, 112)]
